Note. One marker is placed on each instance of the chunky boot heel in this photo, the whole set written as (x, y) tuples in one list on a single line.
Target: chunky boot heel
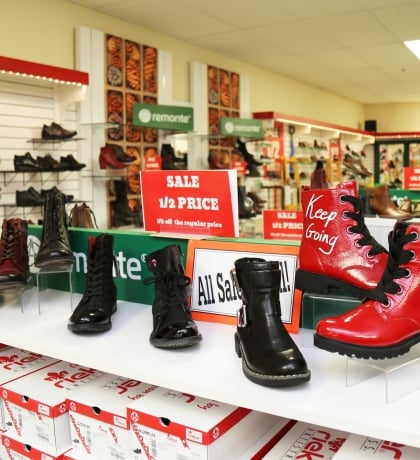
[(269, 355)]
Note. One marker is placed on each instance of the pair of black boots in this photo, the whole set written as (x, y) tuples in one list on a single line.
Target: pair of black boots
[(269, 355), (173, 326)]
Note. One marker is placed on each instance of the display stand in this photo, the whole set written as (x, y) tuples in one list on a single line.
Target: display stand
[(397, 373), (10, 296), (44, 279)]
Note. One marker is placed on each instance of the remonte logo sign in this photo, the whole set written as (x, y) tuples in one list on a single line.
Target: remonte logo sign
[(163, 117), (245, 127)]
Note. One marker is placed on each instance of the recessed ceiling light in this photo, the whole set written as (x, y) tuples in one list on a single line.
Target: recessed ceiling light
[(414, 47)]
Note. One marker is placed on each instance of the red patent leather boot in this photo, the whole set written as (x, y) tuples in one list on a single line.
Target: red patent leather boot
[(107, 158), (337, 249), (387, 328)]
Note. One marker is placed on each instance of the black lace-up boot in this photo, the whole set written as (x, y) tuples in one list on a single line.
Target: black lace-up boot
[(173, 326), (99, 301), (14, 258), (269, 355), (55, 250)]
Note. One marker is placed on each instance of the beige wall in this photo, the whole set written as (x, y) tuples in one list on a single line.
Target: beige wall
[(43, 31), (394, 117)]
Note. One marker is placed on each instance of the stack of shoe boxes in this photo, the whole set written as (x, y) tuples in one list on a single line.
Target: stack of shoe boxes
[(35, 408), (168, 424)]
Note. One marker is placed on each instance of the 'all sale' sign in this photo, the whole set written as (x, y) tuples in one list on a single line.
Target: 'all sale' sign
[(190, 202)]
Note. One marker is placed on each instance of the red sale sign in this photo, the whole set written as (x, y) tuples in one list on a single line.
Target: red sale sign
[(280, 224), (191, 202)]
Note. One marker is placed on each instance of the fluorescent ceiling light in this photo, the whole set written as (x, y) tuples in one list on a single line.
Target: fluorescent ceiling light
[(414, 47)]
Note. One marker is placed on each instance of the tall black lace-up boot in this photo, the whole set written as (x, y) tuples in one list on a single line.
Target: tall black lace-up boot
[(55, 250), (173, 326), (14, 259), (269, 355), (99, 301)]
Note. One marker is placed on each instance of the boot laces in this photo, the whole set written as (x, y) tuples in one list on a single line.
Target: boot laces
[(9, 240), (173, 284), (96, 273), (360, 227), (55, 231), (397, 257)]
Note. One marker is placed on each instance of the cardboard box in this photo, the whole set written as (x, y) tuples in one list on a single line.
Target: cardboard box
[(15, 363), (368, 448), (168, 424), (98, 417), (15, 449), (35, 407), (269, 439), (305, 440)]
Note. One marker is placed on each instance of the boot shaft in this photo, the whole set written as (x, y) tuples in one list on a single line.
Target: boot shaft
[(169, 277), (336, 241), (100, 264), (259, 284), (14, 242), (55, 219)]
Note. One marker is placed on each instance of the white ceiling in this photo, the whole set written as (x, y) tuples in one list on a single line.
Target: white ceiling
[(353, 48)]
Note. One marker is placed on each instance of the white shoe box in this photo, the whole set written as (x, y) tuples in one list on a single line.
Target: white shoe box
[(268, 439), (15, 363), (368, 448), (98, 417), (15, 449), (69, 455), (305, 440), (35, 408), (168, 424)]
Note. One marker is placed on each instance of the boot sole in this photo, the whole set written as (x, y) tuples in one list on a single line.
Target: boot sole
[(178, 343), (312, 282), (358, 351), (56, 263), (270, 380)]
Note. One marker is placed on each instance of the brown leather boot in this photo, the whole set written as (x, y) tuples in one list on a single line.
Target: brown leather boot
[(379, 201), (82, 216), (14, 259)]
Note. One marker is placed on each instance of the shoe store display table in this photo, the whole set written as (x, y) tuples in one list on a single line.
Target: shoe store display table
[(212, 369)]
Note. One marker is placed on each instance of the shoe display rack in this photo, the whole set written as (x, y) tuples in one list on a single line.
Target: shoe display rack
[(212, 369)]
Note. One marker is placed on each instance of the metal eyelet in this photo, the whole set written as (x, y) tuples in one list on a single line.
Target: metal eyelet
[(416, 236), (400, 289), (349, 230), (387, 303), (412, 255), (408, 273), (369, 255), (357, 244)]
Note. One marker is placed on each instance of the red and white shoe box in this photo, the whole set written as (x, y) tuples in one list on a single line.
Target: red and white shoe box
[(368, 448), (98, 417), (15, 449), (305, 440), (15, 363), (69, 455), (168, 424), (268, 439), (35, 408)]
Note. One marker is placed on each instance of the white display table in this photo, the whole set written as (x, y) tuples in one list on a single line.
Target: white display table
[(212, 369)]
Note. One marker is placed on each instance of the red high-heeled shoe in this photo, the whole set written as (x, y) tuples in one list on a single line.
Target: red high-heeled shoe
[(107, 159)]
